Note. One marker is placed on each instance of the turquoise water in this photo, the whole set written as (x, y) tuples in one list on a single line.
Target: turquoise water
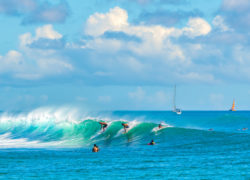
[(56, 144)]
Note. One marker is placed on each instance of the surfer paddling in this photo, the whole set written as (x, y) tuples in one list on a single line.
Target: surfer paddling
[(243, 129), (151, 143), (125, 126), (103, 126), (95, 148)]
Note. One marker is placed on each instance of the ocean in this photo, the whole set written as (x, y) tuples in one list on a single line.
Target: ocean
[(56, 143)]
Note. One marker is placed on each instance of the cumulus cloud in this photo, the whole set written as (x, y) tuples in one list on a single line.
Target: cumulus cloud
[(114, 20), (44, 32), (123, 51), (48, 32), (31, 64), (154, 39), (34, 11), (186, 54), (117, 20)]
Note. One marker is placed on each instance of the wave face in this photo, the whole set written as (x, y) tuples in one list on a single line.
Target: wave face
[(71, 128)]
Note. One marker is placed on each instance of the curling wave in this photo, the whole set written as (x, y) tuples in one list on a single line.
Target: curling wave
[(65, 127)]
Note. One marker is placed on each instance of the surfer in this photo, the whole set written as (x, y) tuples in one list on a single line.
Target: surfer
[(95, 148), (244, 129), (211, 129), (151, 143), (160, 126), (125, 126), (103, 125)]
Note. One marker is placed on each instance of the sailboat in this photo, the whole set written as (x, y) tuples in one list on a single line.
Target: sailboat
[(233, 106), (176, 110)]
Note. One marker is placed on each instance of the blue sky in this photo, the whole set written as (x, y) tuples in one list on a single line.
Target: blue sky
[(124, 55)]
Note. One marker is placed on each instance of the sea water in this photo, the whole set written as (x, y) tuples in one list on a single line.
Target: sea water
[(50, 143)]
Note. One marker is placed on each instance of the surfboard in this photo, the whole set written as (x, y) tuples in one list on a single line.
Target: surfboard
[(156, 129)]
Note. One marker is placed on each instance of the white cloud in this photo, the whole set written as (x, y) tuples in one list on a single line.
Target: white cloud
[(45, 31), (155, 57), (11, 61), (104, 45), (197, 27), (155, 48), (219, 23), (115, 20), (155, 39), (32, 64)]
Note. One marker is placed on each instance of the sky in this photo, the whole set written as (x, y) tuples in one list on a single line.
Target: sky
[(124, 55)]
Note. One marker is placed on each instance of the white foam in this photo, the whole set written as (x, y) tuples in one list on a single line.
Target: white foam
[(7, 142), (164, 126), (131, 125)]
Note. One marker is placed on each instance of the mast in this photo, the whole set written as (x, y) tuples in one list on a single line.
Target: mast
[(174, 103)]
